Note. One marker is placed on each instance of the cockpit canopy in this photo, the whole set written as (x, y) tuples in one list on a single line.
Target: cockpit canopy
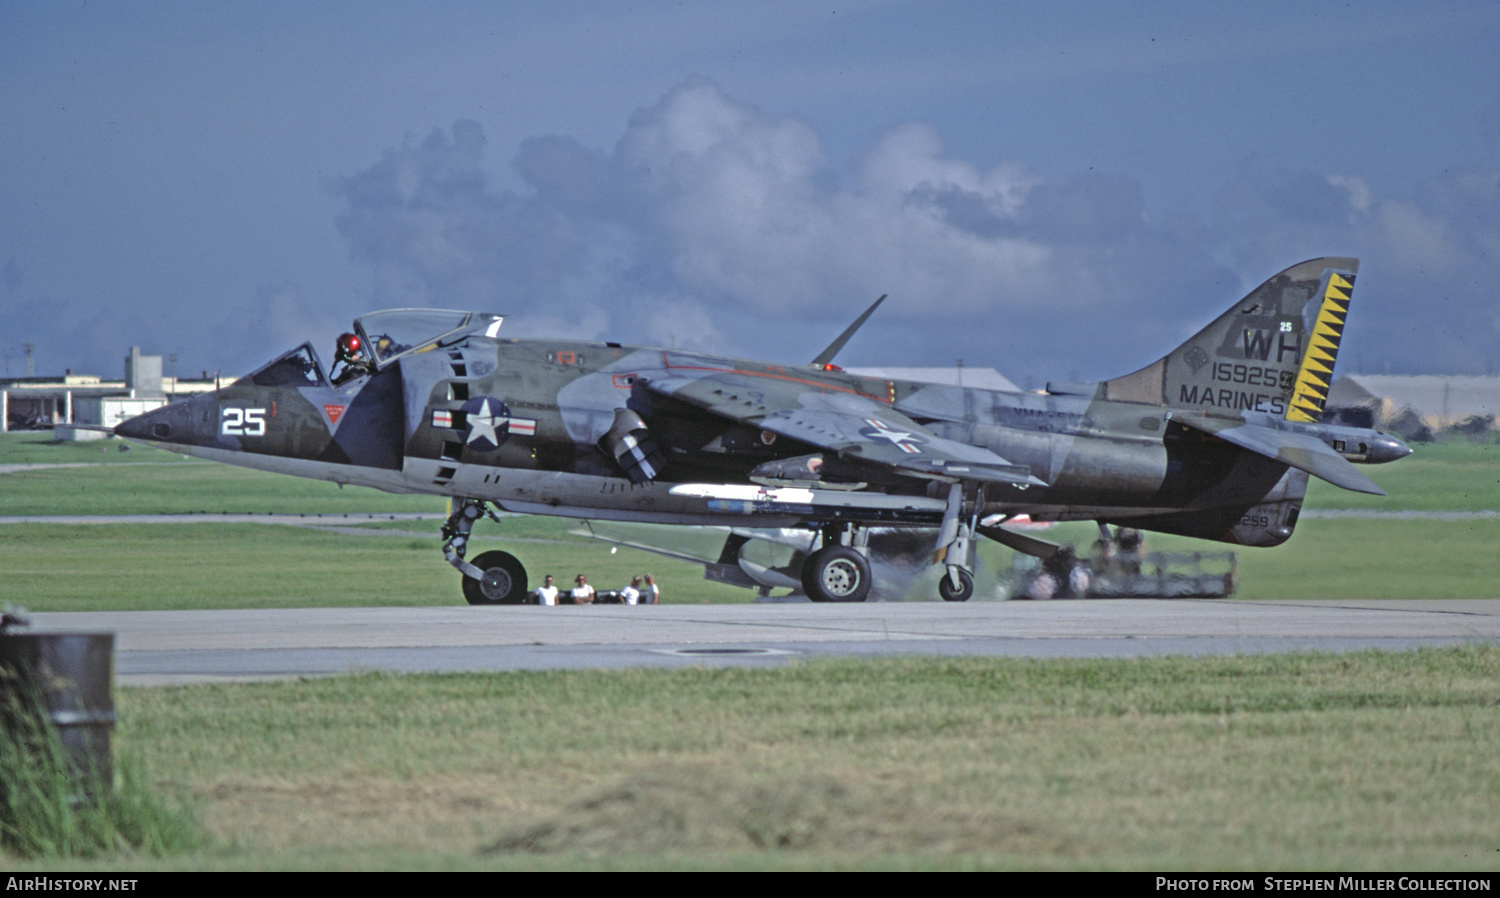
[(394, 333), (298, 368), (389, 335)]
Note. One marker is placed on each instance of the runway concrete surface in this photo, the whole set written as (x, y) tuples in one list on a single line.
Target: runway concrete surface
[(169, 647)]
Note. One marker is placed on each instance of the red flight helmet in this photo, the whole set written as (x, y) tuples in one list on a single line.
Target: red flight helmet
[(350, 346)]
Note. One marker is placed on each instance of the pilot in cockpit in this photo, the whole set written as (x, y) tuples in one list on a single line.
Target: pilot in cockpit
[(350, 352)]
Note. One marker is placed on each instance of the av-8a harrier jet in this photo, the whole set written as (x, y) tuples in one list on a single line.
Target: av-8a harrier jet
[(1215, 440)]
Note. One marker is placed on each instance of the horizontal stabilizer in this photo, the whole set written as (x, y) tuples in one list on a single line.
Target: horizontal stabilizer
[(1300, 450)]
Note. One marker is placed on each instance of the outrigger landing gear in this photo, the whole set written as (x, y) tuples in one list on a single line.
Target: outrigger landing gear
[(955, 548), (495, 578), (838, 572)]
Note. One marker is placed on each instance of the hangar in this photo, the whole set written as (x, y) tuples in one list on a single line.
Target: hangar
[(57, 402), (1416, 406)]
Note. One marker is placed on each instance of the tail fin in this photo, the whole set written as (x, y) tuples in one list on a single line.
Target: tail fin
[(1315, 374), (1273, 351)]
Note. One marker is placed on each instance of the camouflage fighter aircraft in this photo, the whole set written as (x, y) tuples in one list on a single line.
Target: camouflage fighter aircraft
[(1215, 440)]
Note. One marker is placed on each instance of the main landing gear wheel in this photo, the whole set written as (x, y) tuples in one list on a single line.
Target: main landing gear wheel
[(836, 574), (963, 593), (503, 583)]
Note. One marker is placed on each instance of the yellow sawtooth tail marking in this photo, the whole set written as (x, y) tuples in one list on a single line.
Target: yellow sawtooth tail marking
[(1316, 373)]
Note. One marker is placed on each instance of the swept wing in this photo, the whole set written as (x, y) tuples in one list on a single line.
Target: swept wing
[(840, 420)]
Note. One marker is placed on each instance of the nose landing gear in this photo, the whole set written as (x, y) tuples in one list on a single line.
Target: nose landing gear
[(494, 578), (955, 548)]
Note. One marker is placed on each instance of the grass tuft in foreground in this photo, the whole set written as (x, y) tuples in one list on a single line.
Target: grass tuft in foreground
[(48, 811)]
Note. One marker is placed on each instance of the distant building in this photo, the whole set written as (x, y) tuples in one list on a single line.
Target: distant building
[(143, 375), (52, 402), (1410, 404)]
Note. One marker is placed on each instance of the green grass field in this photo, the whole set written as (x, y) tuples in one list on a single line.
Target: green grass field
[(137, 567), (55, 567), (189, 487), (1360, 762), (1456, 476)]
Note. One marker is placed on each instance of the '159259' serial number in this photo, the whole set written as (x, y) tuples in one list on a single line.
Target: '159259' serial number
[(1252, 375)]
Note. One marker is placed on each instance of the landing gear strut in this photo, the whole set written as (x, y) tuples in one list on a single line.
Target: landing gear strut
[(495, 578), (836, 572), (955, 547)]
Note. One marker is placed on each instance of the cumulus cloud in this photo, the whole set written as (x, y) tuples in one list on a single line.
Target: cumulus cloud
[(1429, 260), (435, 234), (709, 216), (712, 224)]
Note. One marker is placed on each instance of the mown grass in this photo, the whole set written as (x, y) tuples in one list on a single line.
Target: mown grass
[(1455, 476), (1364, 761), (190, 487), (1368, 761), (39, 447), (139, 567), (200, 565), (1378, 559)]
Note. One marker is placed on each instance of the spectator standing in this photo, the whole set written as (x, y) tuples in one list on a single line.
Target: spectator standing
[(631, 594), (546, 594), (582, 593)]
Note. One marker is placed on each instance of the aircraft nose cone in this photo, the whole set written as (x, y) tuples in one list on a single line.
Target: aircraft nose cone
[(1388, 448), (152, 425), (186, 423)]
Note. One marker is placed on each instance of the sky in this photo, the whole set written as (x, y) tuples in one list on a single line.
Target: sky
[(1061, 191)]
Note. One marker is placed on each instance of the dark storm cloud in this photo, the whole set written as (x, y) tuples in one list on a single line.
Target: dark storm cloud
[(711, 224), (709, 216), (1430, 260), (1033, 185)]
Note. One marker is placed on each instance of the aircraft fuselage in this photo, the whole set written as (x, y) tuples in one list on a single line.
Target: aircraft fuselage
[(1215, 440), (519, 422)]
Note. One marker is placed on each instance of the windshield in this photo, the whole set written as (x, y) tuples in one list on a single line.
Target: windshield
[(298, 368), (397, 332)]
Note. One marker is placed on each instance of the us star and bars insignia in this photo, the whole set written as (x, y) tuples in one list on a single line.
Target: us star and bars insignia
[(487, 423), (879, 430)]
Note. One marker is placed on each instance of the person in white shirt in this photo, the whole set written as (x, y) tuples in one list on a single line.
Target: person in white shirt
[(582, 593), (631, 595), (651, 593), (546, 594)]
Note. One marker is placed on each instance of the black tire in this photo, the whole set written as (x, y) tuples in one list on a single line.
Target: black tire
[(965, 589), (504, 581), (836, 574)]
